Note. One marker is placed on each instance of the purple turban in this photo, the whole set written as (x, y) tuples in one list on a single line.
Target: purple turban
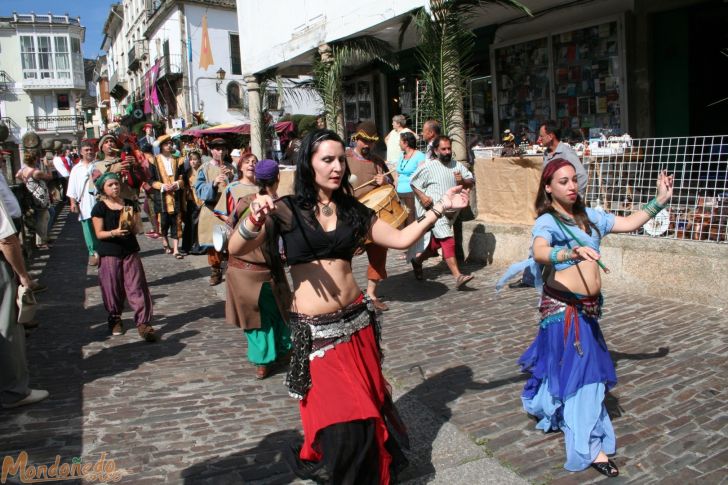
[(266, 169)]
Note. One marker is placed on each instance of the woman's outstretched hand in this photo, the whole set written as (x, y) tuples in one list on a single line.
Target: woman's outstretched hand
[(262, 206), (664, 187), (456, 198)]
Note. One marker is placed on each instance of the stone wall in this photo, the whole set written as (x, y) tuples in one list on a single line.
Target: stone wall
[(683, 270)]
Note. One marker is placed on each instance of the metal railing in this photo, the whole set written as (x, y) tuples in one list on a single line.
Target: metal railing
[(10, 123), (170, 66), (55, 123), (137, 52), (623, 175)]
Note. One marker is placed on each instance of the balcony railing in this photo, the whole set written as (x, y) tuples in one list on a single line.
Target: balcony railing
[(55, 123), (136, 54), (5, 81), (10, 123), (170, 67)]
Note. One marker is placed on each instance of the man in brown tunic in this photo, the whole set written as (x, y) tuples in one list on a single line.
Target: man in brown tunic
[(368, 167)]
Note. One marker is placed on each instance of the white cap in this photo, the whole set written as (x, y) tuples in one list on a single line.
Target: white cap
[(235, 153)]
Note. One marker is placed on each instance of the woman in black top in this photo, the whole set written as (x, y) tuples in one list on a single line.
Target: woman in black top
[(121, 273), (346, 409)]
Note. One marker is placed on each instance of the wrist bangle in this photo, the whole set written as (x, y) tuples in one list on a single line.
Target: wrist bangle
[(436, 212), (653, 208), (246, 233), (553, 255)]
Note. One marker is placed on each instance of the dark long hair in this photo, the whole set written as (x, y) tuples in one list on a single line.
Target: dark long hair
[(544, 205), (306, 193)]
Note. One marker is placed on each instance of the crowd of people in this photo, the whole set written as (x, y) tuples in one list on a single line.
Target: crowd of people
[(325, 328)]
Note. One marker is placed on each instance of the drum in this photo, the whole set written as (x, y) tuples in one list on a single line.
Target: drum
[(220, 236), (385, 202)]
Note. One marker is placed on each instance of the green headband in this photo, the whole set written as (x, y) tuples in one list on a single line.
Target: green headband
[(103, 178)]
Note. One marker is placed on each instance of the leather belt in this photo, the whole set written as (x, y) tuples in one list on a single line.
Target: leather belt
[(240, 264)]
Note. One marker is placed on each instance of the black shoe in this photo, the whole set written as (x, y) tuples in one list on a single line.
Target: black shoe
[(519, 284), (608, 468)]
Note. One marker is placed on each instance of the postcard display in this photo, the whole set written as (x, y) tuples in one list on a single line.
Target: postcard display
[(584, 69)]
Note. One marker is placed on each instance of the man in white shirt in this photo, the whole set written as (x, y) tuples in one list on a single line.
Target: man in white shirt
[(82, 201), (62, 165), (14, 390), (429, 183)]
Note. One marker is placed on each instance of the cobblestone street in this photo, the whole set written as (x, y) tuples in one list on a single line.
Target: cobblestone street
[(189, 410)]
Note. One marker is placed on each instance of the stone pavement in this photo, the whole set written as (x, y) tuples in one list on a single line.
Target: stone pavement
[(188, 410)]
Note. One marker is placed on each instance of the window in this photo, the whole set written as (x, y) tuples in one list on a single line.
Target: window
[(63, 66), (235, 101), (75, 45), (63, 102), (45, 59), (27, 54), (235, 64)]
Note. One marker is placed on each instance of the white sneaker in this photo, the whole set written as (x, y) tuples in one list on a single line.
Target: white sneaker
[(34, 396)]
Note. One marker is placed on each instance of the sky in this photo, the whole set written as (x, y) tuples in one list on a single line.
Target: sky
[(93, 14)]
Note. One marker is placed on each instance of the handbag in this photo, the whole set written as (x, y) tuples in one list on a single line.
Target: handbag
[(27, 304)]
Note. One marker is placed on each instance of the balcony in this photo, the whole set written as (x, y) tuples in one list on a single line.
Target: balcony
[(6, 82), (10, 123), (69, 123), (137, 54), (170, 67), (117, 87)]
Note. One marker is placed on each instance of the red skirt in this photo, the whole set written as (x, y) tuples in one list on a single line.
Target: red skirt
[(347, 385)]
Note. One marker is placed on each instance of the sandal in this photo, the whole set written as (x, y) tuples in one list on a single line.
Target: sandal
[(178, 256), (462, 279), (608, 468), (417, 267), (167, 249)]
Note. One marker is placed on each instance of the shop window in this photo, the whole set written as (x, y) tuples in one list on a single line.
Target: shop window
[(234, 98), (573, 77)]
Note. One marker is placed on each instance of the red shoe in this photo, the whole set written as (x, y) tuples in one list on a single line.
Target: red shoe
[(152, 235)]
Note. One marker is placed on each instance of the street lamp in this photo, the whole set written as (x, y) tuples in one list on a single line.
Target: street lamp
[(220, 77)]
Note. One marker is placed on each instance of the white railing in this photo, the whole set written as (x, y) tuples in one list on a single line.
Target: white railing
[(623, 174)]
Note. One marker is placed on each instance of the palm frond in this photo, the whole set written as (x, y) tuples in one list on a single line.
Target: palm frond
[(445, 51)]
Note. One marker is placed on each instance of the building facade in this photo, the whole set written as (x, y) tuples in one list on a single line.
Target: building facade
[(42, 78), (610, 66)]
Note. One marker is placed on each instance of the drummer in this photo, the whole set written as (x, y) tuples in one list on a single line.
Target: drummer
[(212, 179), (429, 182), (368, 167)]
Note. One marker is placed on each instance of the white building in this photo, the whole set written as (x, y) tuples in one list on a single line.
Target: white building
[(41, 77), (175, 35)]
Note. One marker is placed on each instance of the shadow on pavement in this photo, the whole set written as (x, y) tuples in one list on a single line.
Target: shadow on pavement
[(263, 464), (610, 400), (55, 354), (434, 395)]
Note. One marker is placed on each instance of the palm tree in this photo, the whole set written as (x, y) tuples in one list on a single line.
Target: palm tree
[(328, 71), (444, 52)]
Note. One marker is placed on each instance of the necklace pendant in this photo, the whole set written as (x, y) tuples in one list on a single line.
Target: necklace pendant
[(326, 210)]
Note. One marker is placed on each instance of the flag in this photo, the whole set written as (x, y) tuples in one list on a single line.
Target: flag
[(189, 48), (153, 83), (205, 51), (147, 94)]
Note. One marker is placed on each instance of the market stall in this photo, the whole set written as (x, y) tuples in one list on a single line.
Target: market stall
[(507, 187)]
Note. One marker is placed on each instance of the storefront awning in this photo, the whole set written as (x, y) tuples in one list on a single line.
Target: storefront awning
[(243, 129)]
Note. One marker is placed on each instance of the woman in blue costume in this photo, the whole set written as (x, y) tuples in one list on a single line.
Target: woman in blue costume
[(570, 366)]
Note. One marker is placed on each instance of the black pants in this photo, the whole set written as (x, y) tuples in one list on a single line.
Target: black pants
[(189, 234)]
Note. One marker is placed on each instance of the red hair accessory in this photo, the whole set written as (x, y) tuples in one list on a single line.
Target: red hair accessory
[(552, 167)]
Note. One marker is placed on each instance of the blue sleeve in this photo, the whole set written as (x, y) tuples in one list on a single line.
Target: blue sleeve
[(544, 228), (603, 220), (205, 190)]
